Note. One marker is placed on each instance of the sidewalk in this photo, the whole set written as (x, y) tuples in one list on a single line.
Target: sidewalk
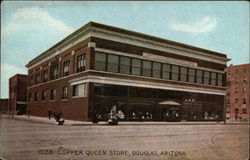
[(76, 123)]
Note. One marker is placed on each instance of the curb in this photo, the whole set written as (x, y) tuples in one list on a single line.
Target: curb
[(102, 123)]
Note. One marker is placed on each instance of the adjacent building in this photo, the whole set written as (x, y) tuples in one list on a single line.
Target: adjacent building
[(238, 85), (4, 106), (147, 78), (17, 94)]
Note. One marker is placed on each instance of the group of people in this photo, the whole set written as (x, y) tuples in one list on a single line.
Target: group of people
[(142, 116), (57, 116), (171, 116)]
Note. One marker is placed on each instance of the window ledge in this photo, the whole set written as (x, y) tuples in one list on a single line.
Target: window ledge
[(78, 96), (52, 100), (65, 99)]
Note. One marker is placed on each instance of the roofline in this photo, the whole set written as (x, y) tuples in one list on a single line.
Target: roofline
[(18, 74), (121, 30), (237, 65)]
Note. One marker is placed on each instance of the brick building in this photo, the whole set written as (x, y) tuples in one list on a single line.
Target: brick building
[(4, 106), (17, 94), (145, 77), (238, 84)]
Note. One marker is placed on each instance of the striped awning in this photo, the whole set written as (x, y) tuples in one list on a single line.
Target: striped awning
[(170, 103)]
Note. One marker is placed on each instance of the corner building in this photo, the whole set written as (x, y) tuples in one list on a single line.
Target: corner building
[(146, 77)]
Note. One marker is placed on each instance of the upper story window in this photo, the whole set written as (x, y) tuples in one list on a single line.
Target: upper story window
[(53, 94), (125, 65), (236, 80), (66, 68), (113, 63), (31, 80), (146, 68), (219, 79), (166, 70), (37, 78), (100, 61), (236, 110), (244, 111), (244, 101), (206, 77), (136, 66), (183, 74), (79, 90), (65, 93), (36, 97), (236, 90), (30, 97), (156, 70), (213, 78), (236, 100), (43, 95), (80, 63), (199, 76), (45, 75), (54, 72), (175, 72), (191, 75)]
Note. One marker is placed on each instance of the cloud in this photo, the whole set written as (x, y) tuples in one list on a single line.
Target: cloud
[(207, 24), (7, 71), (33, 27), (34, 18)]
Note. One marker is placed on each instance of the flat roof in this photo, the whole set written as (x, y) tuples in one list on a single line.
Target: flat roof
[(124, 31)]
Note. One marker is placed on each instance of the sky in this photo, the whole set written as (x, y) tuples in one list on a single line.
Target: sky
[(29, 28)]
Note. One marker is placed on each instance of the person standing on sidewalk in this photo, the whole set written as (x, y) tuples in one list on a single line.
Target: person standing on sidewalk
[(49, 114)]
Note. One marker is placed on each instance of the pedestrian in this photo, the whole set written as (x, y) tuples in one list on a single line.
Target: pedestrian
[(58, 116), (49, 114)]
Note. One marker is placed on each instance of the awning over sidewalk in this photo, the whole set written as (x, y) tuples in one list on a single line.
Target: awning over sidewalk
[(170, 103)]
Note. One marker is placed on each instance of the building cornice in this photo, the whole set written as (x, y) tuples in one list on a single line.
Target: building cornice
[(128, 37), (138, 83)]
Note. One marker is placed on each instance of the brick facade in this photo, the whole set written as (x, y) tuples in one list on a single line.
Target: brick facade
[(4, 106), (17, 94), (88, 43), (238, 84)]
